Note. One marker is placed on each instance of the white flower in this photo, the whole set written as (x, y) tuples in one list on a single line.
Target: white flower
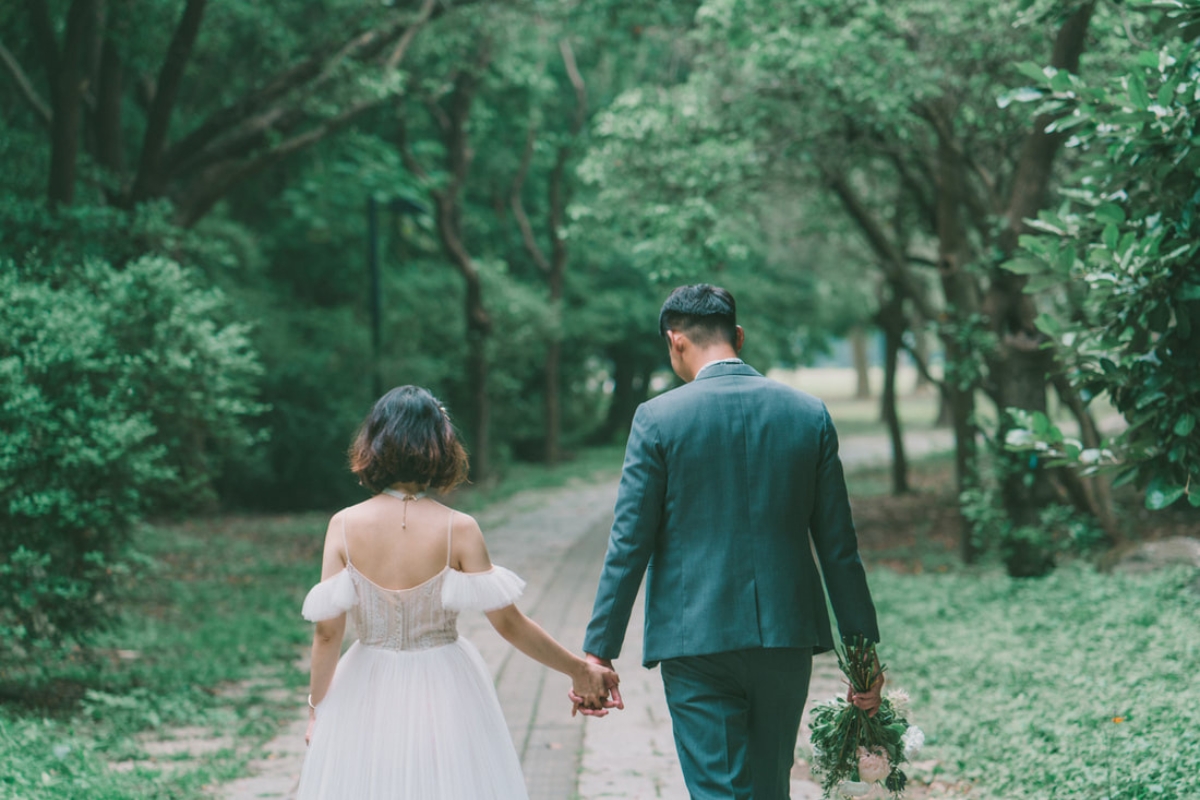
[(913, 740), (899, 700), (854, 788)]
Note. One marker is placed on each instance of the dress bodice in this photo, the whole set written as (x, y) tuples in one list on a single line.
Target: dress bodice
[(419, 618), (402, 619)]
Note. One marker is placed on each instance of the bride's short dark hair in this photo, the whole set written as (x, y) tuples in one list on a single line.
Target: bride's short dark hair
[(408, 437)]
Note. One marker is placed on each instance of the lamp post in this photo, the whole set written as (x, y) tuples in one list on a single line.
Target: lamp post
[(396, 206)]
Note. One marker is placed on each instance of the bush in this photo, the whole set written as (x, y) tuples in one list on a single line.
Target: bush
[(119, 391)]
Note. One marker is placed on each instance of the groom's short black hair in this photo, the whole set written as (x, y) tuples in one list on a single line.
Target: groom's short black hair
[(702, 312)]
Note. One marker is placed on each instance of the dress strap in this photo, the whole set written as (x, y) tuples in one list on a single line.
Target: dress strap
[(449, 533), (345, 544)]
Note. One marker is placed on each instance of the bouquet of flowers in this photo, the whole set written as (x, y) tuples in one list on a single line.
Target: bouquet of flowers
[(852, 750)]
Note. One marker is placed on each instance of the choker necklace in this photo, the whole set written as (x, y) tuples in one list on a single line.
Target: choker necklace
[(406, 498)]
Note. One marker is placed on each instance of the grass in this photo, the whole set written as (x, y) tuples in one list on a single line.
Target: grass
[(207, 642), (1078, 685)]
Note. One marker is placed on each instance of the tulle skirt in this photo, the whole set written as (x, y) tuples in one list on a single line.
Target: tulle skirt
[(411, 725)]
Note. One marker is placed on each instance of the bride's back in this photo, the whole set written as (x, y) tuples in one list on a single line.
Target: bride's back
[(398, 548)]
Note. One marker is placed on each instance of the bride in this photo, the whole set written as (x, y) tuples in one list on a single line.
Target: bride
[(410, 710)]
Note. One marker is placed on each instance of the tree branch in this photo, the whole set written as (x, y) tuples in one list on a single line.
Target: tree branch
[(891, 259), (518, 207), (150, 178), (401, 48), (581, 98), (26, 88), (221, 178), (310, 75), (1031, 178)]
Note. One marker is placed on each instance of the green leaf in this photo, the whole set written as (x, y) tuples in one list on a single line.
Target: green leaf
[(1185, 425), (1048, 325), (1137, 91), (1194, 499), (1111, 213), (1160, 494), (1111, 236), (1025, 94), (1039, 283), (1035, 72), (1023, 266), (1125, 477)]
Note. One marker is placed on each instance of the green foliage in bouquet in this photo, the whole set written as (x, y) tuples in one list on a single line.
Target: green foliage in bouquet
[(851, 748)]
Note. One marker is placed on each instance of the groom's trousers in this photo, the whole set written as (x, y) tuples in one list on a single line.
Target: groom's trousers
[(735, 716)]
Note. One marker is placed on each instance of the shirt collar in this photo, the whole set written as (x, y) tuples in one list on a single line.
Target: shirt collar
[(718, 361)]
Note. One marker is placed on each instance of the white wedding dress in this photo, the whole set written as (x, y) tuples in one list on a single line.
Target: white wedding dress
[(412, 712)]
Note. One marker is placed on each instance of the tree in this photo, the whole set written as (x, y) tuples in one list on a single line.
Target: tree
[(95, 74), (1116, 264)]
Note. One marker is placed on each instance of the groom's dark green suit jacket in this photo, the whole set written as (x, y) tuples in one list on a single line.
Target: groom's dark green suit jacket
[(724, 480)]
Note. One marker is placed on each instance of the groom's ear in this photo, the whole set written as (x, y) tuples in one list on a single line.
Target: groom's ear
[(739, 338)]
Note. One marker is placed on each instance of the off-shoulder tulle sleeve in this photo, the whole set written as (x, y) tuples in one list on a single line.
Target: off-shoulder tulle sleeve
[(481, 591), (330, 597)]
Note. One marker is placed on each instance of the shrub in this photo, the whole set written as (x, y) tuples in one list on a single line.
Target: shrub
[(119, 390)]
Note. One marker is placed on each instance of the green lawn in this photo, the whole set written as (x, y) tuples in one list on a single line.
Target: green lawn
[(1079, 685)]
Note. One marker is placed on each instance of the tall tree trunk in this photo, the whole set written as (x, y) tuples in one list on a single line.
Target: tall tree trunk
[(961, 293), (109, 142), (891, 320), (479, 328), (67, 87), (862, 363), (448, 209), (1021, 364), (631, 372)]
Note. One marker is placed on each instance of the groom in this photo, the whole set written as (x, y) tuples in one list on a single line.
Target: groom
[(725, 480)]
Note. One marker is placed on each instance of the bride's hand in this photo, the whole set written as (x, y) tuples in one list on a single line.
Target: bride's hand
[(312, 721), (595, 688)]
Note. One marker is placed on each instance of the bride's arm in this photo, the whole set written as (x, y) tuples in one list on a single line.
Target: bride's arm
[(591, 682), (327, 640)]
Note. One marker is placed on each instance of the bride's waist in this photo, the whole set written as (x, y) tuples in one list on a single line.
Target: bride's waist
[(424, 641)]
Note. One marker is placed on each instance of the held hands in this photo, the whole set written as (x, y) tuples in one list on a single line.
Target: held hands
[(595, 688)]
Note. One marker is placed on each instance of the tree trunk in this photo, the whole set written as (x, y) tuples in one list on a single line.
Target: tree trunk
[(1098, 489), (1021, 365), (67, 101), (891, 320), (961, 293), (631, 372), (862, 363), (478, 330)]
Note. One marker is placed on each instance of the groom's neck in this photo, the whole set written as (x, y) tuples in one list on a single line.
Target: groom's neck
[(698, 357)]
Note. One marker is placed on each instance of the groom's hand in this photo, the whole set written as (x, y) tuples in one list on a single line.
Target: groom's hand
[(612, 684), (869, 700)]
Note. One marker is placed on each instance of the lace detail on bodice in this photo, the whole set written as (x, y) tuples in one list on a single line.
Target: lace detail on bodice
[(404, 619)]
